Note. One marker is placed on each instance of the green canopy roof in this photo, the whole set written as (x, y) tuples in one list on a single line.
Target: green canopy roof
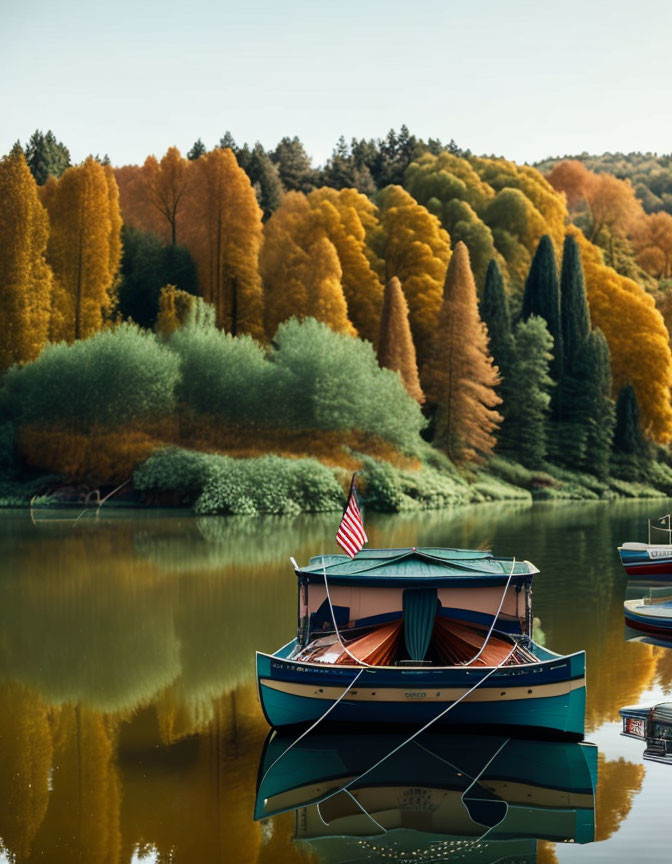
[(417, 566)]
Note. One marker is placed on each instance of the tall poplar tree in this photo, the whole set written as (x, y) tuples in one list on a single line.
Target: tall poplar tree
[(223, 232), (84, 248), (165, 184), (542, 297), (461, 373), (25, 278), (395, 344)]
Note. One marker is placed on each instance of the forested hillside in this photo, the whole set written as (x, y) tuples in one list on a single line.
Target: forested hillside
[(456, 326)]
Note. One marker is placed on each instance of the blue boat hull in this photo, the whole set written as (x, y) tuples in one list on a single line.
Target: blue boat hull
[(547, 697)]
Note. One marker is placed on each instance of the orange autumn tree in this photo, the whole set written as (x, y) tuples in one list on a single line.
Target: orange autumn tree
[(416, 250), (25, 278), (461, 376), (301, 269), (83, 250), (395, 344), (652, 239), (223, 231), (638, 339)]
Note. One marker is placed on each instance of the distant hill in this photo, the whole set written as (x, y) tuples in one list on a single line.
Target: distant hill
[(649, 173)]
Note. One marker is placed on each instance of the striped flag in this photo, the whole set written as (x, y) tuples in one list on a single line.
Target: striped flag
[(351, 534)]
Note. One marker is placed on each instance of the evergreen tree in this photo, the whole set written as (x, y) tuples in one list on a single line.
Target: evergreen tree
[(395, 344), (45, 155), (573, 304), (524, 432), (294, 168), (461, 370), (542, 297), (627, 435), (264, 177), (494, 309), (198, 149), (227, 140), (146, 266), (596, 408), (342, 172)]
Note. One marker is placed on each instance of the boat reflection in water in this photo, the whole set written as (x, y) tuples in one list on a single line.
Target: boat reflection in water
[(439, 797), (653, 724), (648, 613)]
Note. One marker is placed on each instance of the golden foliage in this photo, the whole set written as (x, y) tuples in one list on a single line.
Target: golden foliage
[(26, 752), (460, 377), (99, 456), (174, 308), (546, 852), (395, 345), (165, 184), (84, 249), (618, 783), (416, 250), (637, 337), (223, 232), (313, 248), (25, 278)]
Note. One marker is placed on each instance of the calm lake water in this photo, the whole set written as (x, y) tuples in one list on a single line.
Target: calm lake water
[(129, 724)]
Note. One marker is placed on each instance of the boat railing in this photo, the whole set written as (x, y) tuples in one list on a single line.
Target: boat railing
[(662, 525)]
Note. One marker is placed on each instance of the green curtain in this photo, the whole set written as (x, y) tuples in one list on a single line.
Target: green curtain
[(420, 605)]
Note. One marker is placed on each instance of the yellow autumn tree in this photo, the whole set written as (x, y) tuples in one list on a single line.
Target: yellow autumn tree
[(301, 269), (460, 376), (638, 339), (223, 231), (165, 185), (652, 238), (83, 249), (174, 308), (395, 345), (416, 250), (345, 216), (25, 278)]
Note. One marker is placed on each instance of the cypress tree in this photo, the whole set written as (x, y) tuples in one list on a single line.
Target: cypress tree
[(264, 177), (494, 308), (524, 432), (542, 297), (395, 345), (627, 435), (600, 411), (574, 304)]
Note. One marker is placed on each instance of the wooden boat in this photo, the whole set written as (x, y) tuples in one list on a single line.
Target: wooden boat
[(444, 792), (650, 560), (413, 636), (649, 615), (653, 724)]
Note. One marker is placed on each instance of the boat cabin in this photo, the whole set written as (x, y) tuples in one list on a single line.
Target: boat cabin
[(414, 607), (652, 724)]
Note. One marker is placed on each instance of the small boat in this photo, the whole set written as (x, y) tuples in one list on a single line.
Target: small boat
[(479, 798), (420, 636), (649, 615), (653, 724), (649, 560)]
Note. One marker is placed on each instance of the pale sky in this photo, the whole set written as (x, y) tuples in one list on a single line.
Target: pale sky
[(521, 79)]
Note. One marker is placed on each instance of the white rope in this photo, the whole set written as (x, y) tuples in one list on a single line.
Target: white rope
[(333, 618), (422, 728), (494, 620)]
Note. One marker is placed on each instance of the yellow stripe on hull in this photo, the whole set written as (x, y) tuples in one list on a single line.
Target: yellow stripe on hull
[(406, 695)]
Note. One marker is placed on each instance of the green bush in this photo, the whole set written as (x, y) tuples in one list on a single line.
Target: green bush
[(218, 484), (391, 490), (111, 378), (332, 381)]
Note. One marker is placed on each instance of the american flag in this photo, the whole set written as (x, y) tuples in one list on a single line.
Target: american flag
[(351, 534)]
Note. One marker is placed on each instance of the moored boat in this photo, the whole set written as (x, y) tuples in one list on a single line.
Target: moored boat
[(420, 636), (650, 560), (653, 724)]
